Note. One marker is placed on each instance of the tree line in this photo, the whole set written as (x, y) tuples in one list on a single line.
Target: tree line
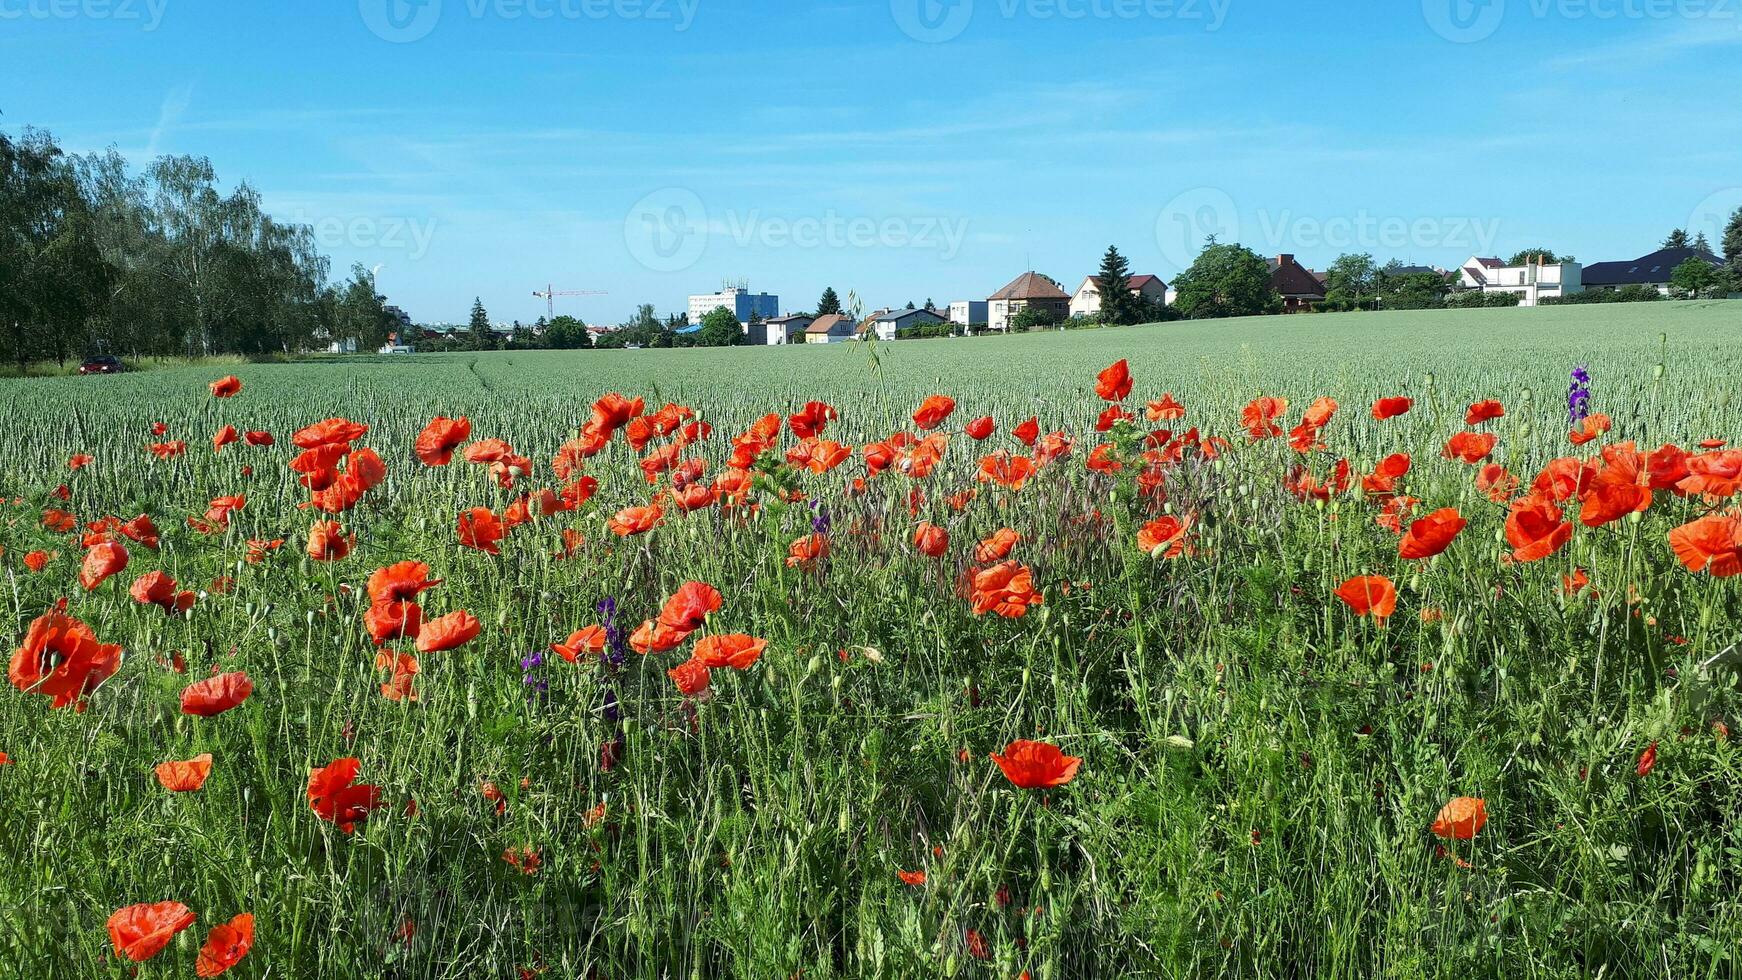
[(98, 258)]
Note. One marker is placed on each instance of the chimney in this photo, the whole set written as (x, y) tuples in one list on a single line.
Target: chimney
[(1284, 260)]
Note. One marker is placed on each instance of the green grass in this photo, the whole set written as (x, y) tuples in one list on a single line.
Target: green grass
[(760, 836)]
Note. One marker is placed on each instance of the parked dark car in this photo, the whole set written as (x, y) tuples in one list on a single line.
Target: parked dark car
[(102, 364)]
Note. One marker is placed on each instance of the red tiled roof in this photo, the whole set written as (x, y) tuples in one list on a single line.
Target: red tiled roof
[(1031, 285)]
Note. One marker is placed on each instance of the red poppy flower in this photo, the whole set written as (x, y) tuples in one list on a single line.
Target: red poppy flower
[(1113, 384), (931, 540), (140, 932), (401, 582), (1010, 472), (448, 632), (631, 521), (158, 589), (216, 695), (36, 561), (79, 461), (1260, 415), (225, 946), (689, 607), (1535, 528), (1711, 544), (1432, 534), (980, 428), (481, 529), (589, 640), (327, 541), (807, 551), (405, 670), (103, 560), (387, 621), (226, 387), (1590, 428), (1166, 410), (914, 878), (168, 450), (1484, 411), (691, 679), (933, 411), (1163, 537), (329, 432), (1006, 589), (185, 777), (1647, 761), (996, 547), (438, 440), (656, 637), (1370, 595), (1027, 432), (735, 650), (223, 437), (62, 660), (1461, 818), (1716, 474), (334, 798), (1471, 447), (811, 420), (1036, 765), (1390, 408), (258, 438)]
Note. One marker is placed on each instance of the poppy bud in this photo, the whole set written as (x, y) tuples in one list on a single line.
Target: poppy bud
[(1429, 379), (1657, 371)]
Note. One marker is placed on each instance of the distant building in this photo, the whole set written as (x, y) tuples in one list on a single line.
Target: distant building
[(780, 331), (743, 303), (887, 325), (1651, 270), (1476, 271), (831, 329), (1031, 290), (1535, 283), (968, 311), (1300, 287), (1087, 301), (396, 345)]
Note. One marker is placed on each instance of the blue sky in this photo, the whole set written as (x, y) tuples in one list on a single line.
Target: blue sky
[(654, 148)]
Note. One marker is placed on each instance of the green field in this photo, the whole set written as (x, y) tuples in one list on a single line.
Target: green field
[(1260, 769)]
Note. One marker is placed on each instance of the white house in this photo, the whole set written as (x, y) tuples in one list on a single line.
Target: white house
[(968, 311), (1029, 291), (1537, 282), (781, 330), (1086, 302), (886, 325), (1475, 271)]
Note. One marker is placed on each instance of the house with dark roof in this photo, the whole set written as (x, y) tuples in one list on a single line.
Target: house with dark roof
[(780, 330), (1300, 287), (1087, 301), (831, 329), (1031, 290), (1651, 270), (887, 325), (1477, 271)]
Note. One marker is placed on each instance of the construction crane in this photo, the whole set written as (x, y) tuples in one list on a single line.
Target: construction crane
[(550, 294)]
